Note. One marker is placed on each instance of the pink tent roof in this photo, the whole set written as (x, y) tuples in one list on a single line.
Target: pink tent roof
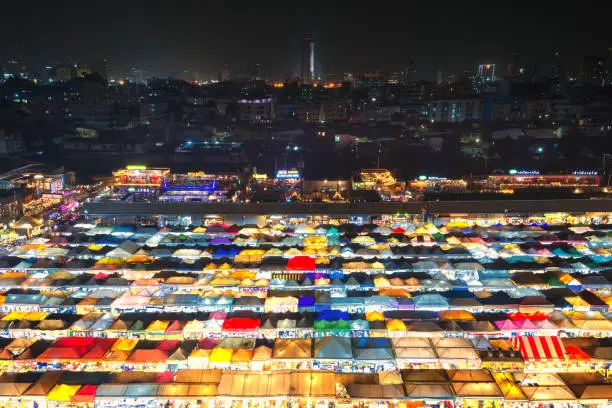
[(505, 325), (127, 301), (527, 325), (217, 316)]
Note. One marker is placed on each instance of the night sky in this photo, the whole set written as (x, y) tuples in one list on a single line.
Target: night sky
[(167, 37)]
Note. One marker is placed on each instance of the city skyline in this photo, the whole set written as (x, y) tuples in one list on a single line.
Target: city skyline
[(353, 38)]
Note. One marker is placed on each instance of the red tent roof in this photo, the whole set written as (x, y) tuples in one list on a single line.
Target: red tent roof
[(62, 353), (399, 230), (100, 349), (165, 377), (168, 345), (75, 342), (576, 353), (301, 263), (207, 344), (534, 317), (86, 393), (241, 324), (175, 327)]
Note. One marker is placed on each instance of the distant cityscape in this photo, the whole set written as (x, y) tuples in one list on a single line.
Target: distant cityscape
[(325, 124)]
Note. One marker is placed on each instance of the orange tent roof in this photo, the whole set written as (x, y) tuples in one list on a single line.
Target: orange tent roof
[(148, 356)]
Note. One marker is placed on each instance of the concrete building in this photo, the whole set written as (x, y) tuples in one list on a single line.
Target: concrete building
[(455, 110), (64, 73), (257, 110), (536, 109), (102, 116), (11, 143)]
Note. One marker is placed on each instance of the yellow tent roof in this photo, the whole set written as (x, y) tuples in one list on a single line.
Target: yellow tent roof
[(577, 301), (15, 315), (158, 326), (124, 344), (224, 281), (62, 392), (315, 249), (274, 251), (396, 325), (315, 240), (36, 316), (363, 240), (374, 316), (381, 281), (457, 224), (566, 278), (221, 355), (251, 252), (199, 230), (242, 274), (110, 261)]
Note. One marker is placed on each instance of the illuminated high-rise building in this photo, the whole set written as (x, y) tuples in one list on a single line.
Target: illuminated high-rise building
[(485, 75), (307, 61), (487, 72)]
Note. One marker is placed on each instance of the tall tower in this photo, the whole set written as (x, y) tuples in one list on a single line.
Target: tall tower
[(307, 61), (412, 70)]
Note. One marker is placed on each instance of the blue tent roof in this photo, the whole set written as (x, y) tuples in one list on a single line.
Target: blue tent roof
[(372, 342), (492, 274), (123, 229), (430, 299), (306, 301), (331, 315), (333, 348), (108, 240), (181, 299), (376, 354)]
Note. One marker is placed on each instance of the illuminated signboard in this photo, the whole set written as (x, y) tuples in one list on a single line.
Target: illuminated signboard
[(136, 167), (56, 184), (524, 172), (257, 176), (288, 174)]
